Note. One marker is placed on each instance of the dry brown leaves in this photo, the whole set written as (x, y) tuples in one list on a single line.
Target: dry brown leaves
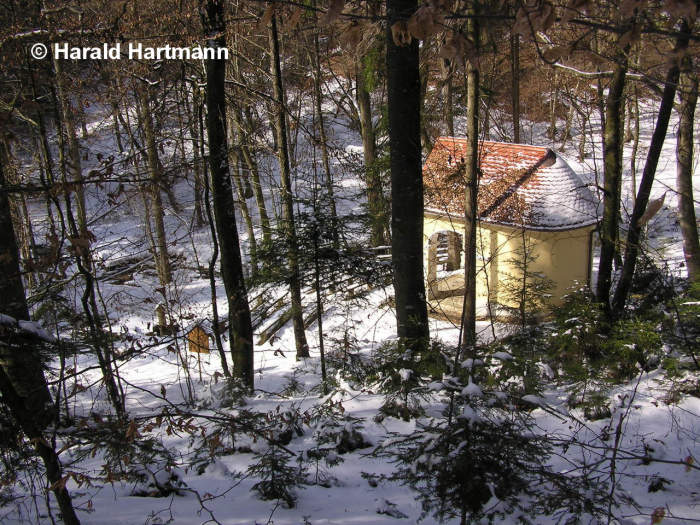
[(534, 17)]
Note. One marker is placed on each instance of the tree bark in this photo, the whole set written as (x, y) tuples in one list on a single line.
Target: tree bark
[(379, 229), (470, 197), (323, 139), (404, 103), (74, 163), (197, 160), (215, 245), (156, 174), (640, 204), (447, 93), (280, 124), (239, 326), (247, 155), (245, 212), (612, 185), (688, 92), (78, 233), (515, 84), (22, 382)]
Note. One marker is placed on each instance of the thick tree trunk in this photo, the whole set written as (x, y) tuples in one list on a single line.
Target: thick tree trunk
[(612, 165), (280, 125), (657, 141), (379, 228), (470, 197), (22, 382), (404, 102), (240, 329), (688, 91)]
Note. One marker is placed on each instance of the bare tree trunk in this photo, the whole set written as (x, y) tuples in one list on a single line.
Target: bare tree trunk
[(302, 346), (248, 156), (470, 197), (22, 382), (115, 127), (684, 167), (21, 219), (254, 173), (379, 228), (323, 139), (404, 104), (74, 163), (448, 111), (553, 104), (425, 135), (81, 240), (612, 152), (635, 141), (197, 160), (240, 328), (154, 167), (245, 212), (657, 141), (215, 246), (515, 84)]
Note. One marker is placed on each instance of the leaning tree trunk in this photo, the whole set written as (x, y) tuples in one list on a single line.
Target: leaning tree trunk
[(470, 197), (302, 346), (612, 185), (80, 238), (239, 326), (22, 382), (688, 94), (404, 102), (657, 141)]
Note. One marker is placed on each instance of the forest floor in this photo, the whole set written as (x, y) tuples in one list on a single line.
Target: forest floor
[(212, 461)]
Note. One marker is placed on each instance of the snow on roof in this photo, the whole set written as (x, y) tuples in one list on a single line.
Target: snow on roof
[(519, 185), (204, 324)]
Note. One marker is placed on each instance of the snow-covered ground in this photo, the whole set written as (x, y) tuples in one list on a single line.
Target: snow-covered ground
[(656, 436)]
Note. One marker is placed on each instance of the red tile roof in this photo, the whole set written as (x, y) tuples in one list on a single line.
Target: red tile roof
[(519, 185)]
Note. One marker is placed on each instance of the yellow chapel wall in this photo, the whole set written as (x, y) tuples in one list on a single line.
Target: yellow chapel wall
[(562, 256)]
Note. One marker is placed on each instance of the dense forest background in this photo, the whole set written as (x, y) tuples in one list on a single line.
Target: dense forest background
[(213, 270)]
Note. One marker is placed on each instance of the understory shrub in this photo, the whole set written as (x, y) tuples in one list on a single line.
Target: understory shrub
[(482, 459), (404, 373), (278, 479)]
